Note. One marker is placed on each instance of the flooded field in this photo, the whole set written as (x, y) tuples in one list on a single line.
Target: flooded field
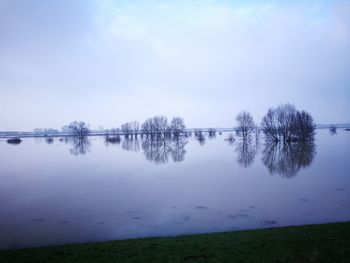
[(64, 190)]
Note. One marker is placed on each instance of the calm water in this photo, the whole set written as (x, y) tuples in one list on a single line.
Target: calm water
[(69, 191)]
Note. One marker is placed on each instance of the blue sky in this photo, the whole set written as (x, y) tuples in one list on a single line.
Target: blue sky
[(108, 62)]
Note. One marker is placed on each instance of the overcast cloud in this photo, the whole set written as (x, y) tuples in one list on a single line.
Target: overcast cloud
[(108, 62)]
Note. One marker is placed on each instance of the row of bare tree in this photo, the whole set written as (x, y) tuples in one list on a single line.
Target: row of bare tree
[(283, 123), (157, 126)]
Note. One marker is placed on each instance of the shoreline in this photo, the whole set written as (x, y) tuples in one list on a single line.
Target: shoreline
[(320, 243)]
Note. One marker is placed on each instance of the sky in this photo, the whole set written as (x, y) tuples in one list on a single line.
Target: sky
[(107, 62)]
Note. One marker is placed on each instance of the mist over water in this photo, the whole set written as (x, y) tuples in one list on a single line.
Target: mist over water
[(67, 190)]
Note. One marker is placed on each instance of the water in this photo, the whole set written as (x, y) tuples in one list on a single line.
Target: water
[(69, 191)]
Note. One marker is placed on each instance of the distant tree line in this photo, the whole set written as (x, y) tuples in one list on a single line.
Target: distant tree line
[(155, 127), (45, 131), (283, 123), (159, 127)]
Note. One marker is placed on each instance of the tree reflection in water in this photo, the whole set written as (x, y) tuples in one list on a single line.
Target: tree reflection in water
[(158, 150), (286, 159), (246, 152), (131, 144), (178, 149), (80, 145)]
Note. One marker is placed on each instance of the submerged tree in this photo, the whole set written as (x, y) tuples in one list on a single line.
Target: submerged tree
[(245, 124), (303, 128), (159, 127), (156, 126), (177, 126), (147, 127), (127, 129), (79, 129), (160, 124), (285, 123)]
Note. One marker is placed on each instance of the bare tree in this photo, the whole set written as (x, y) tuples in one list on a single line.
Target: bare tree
[(79, 129), (177, 126), (303, 127), (160, 124), (285, 123), (126, 129), (156, 126), (147, 127), (269, 125), (286, 115), (245, 124), (135, 127)]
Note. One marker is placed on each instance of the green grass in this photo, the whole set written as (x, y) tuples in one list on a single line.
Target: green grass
[(314, 243)]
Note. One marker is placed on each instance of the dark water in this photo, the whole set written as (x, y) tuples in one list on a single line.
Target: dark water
[(66, 191)]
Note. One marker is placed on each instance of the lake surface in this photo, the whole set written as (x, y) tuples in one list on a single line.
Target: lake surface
[(69, 191)]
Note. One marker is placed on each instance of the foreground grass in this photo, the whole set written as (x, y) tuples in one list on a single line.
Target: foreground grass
[(314, 243)]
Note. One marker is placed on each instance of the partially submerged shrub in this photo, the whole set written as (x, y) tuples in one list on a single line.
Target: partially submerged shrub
[(15, 140), (333, 129), (49, 140), (113, 139)]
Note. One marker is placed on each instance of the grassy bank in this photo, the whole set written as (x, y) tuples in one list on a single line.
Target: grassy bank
[(315, 243)]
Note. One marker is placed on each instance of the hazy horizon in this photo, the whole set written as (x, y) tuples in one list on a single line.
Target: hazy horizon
[(109, 62)]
